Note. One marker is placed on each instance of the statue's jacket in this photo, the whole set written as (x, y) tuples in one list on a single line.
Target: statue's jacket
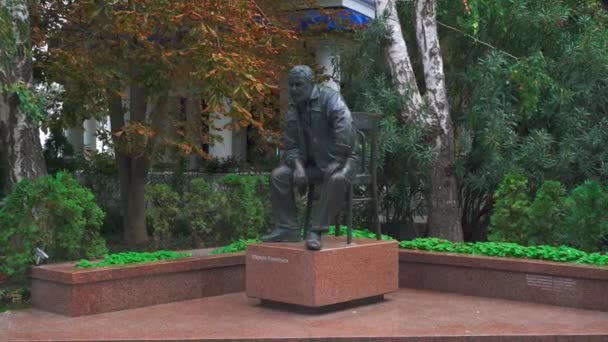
[(332, 137)]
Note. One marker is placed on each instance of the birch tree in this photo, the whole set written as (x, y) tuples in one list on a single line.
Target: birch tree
[(431, 108), (20, 112)]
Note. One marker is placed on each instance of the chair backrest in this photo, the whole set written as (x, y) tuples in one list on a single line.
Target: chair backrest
[(365, 121), (367, 125)]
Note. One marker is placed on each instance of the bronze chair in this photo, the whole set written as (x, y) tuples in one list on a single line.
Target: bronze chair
[(367, 125)]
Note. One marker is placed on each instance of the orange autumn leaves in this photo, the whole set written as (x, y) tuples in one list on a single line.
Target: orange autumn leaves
[(228, 53)]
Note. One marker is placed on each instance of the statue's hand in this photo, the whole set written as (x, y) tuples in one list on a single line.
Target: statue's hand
[(333, 168), (299, 178)]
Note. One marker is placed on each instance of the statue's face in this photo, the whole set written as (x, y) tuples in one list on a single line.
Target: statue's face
[(300, 88)]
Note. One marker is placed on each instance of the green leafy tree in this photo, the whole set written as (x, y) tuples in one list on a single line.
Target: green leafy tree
[(528, 80), (426, 103), (527, 85)]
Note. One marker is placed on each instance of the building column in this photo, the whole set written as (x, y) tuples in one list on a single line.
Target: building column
[(75, 136), (325, 53), (233, 143), (239, 144), (90, 134), (221, 148)]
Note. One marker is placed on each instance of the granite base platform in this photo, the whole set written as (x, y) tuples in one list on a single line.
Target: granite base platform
[(406, 315), (64, 289), (339, 273), (535, 281)]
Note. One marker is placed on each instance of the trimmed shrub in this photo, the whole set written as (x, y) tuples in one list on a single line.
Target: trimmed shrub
[(210, 214), (544, 218), (586, 222), (54, 213), (247, 215), (579, 220), (162, 214), (509, 214), (205, 209)]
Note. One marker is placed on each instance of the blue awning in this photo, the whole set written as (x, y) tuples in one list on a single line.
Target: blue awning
[(333, 19)]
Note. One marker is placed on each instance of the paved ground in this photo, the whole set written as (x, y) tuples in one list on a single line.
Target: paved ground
[(409, 315)]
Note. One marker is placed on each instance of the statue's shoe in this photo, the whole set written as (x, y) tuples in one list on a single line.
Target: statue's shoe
[(313, 241), (282, 235)]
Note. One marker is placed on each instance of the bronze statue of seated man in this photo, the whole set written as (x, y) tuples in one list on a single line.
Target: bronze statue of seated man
[(319, 143)]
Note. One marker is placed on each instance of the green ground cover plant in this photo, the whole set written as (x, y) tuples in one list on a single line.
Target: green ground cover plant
[(358, 233), (495, 249), (240, 245), (535, 104), (235, 247), (126, 258), (509, 250)]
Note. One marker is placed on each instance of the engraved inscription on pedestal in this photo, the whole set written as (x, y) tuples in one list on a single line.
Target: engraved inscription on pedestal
[(256, 257), (557, 285)]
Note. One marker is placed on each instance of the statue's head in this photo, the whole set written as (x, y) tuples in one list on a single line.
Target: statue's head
[(301, 81)]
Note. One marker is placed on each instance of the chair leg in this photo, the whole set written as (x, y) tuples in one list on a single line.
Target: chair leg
[(376, 219), (309, 199), (349, 215)]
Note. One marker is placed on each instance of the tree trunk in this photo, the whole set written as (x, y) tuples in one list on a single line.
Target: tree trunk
[(137, 175), (133, 170), (445, 213), (18, 131)]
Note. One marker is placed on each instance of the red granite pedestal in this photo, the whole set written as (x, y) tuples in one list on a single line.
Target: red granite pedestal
[(339, 273)]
